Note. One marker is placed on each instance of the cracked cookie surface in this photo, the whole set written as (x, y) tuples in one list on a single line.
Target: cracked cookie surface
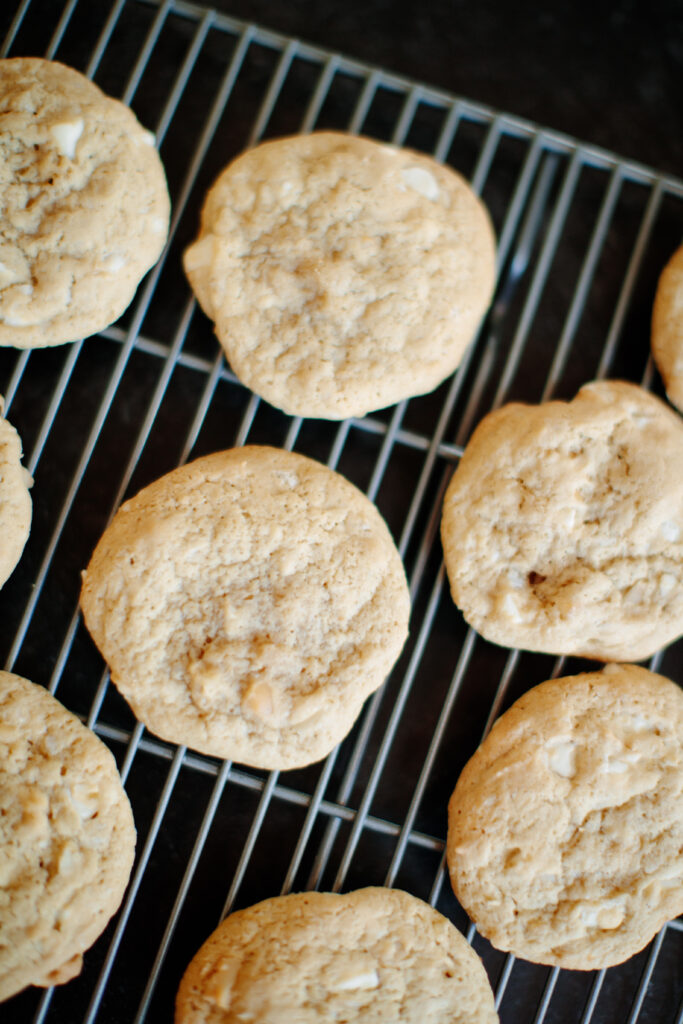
[(565, 829), (67, 838), (667, 328), (373, 955), (15, 500), (247, 604), (83, 204), (342, 275), (562, 526)]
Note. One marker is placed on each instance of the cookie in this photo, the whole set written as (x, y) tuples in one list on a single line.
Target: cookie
[(562, 526), (15, 501), (247, 604), (83, 204), (667, 328), (565, 830), (67, 838), (342, 274), (371, 955)]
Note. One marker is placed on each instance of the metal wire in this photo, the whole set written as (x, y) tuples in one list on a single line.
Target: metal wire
[(531, 231)]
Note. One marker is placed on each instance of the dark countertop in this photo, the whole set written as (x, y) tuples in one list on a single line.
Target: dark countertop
[(608, 74)]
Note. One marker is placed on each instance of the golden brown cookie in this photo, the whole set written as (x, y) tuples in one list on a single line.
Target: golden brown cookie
[(667, 328), (563, 525), (342, 275), (565, 830), (247, 604), (67, 838), (374, 955), (15, 501), (83, 204)]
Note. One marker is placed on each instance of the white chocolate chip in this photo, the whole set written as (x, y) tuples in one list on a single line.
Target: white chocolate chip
[(637, 594), (148, 138), (511, 609), (365, 980), (220, 987), (667, 582), (560, 755), (516, 578), (288, 478), (606, 915), (158, 224), (7, 276), (258, 700), (420, 180), (200, 254), (669, 530), (613, 766), (639, 723), (114, 263), (66, 135)]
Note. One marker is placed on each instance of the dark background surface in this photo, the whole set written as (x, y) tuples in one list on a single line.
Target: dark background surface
[(610, 74)]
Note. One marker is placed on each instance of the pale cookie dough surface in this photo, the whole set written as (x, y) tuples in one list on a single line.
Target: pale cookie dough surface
[(374, 955), (563, 525), (247, 604), (67, 838), (83, 204), (15, 501), (667, 328), (342, 275), (565, 834)]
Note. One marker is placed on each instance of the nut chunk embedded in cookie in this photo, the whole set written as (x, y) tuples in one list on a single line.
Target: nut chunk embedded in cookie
[(83, 204), (247, 604), (342, 275), (562, 526), (67, 838), (565, 830), (367, 957)]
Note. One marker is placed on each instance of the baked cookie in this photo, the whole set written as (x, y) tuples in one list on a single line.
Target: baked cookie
[(247, 604), (565, 830), (15, 501), (374, 955), (67, 838), (342, 274), (83, 204), (563, 525), (667, 328)]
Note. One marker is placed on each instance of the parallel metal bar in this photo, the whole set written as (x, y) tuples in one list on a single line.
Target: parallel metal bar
[(320, 94), (540, 275), (14, 28), (584, 283), (60, 29), (274, 88), (630, 279)]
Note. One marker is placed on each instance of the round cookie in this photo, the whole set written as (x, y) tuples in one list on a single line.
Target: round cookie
[(15, 501), (667, 328), (247, 604), (374, 955), (67, 838), (343, 275), (565, 830), (562, 526), (83, 204)]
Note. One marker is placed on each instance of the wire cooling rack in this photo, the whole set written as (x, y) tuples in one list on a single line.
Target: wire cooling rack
[(582, 238)]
